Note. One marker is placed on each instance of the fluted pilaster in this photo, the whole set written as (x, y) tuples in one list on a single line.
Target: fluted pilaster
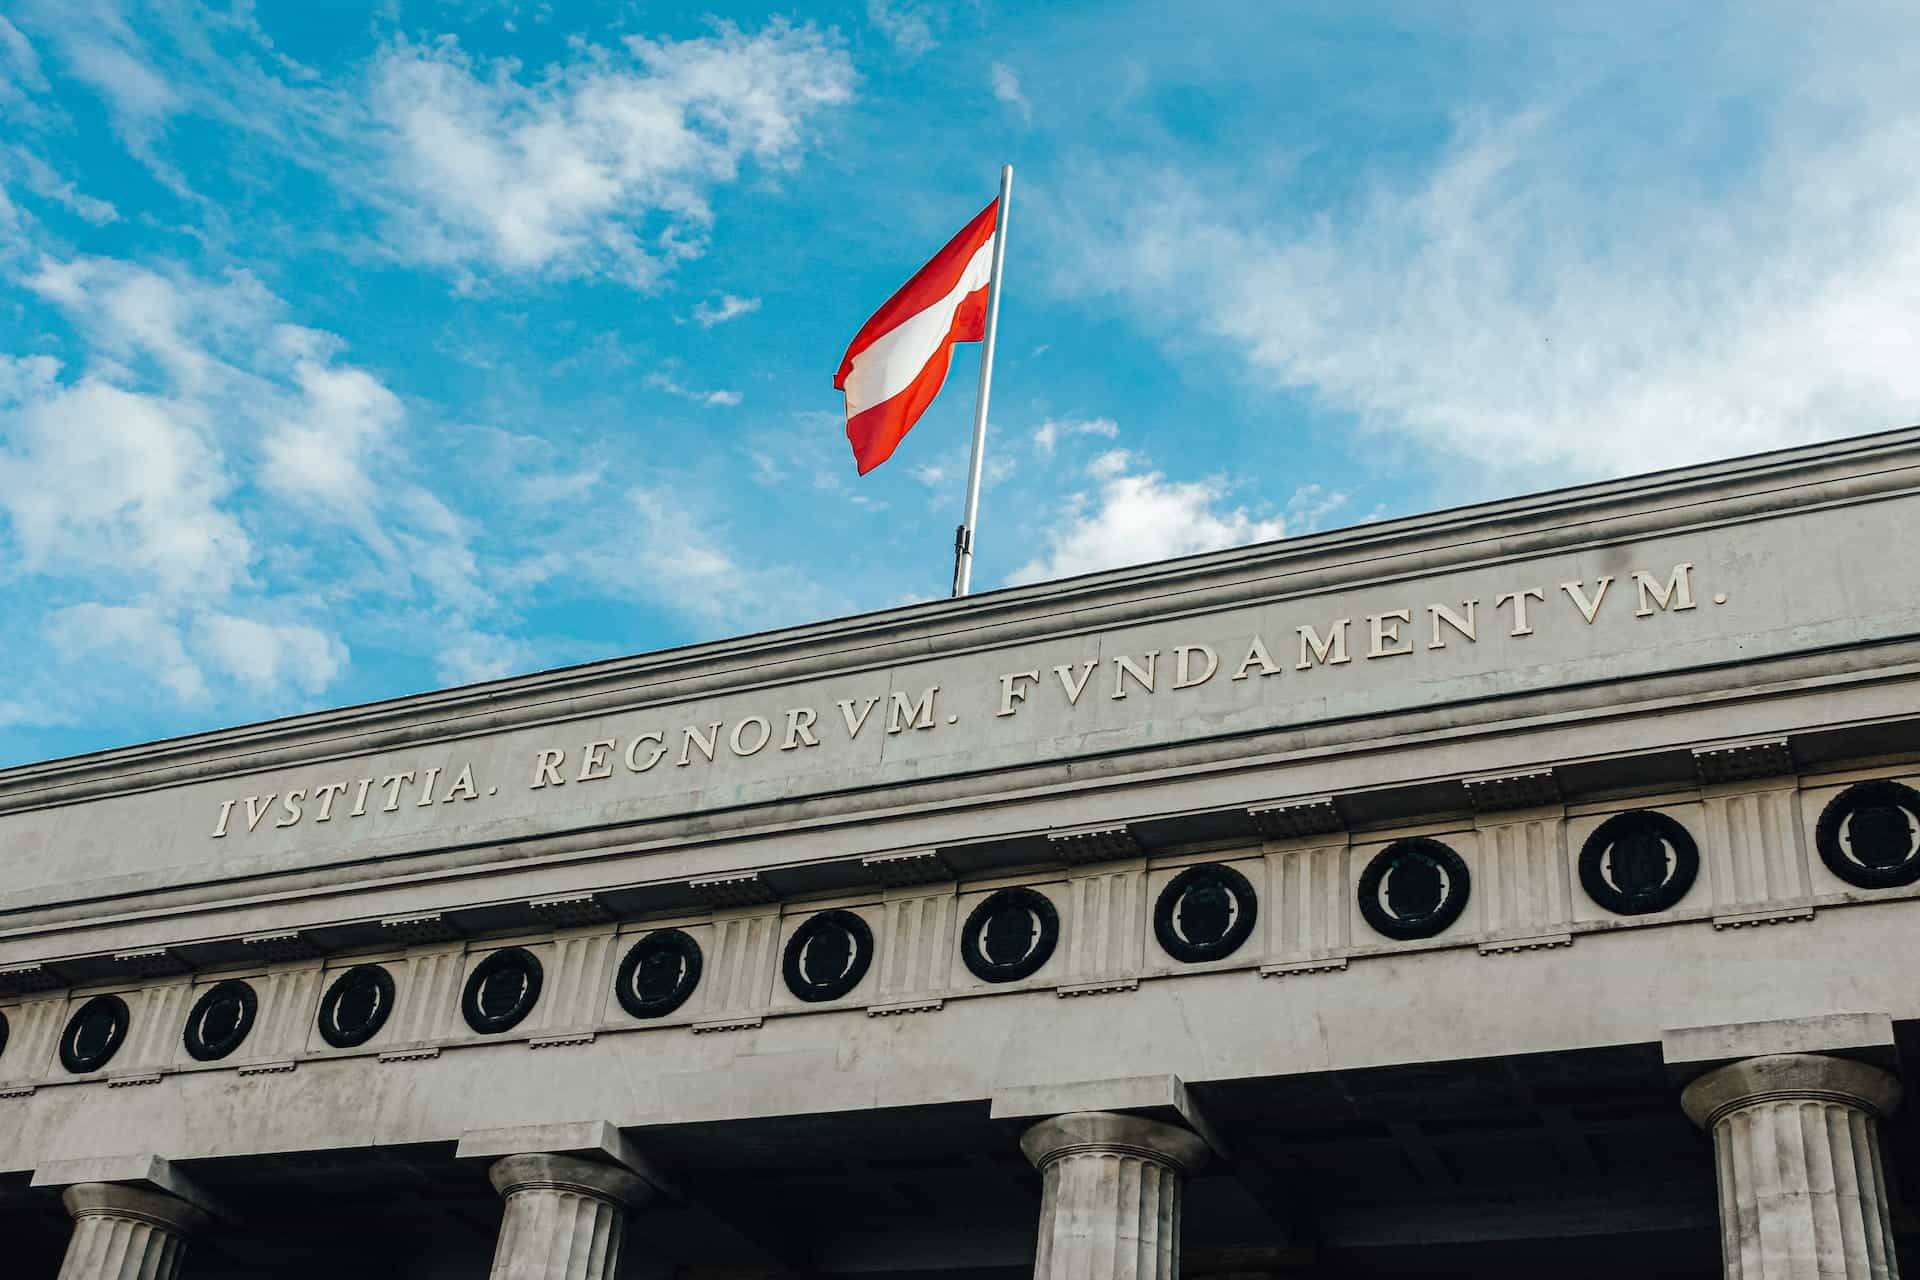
[(1110, 1204), (1796, 1139), (126, 1233), (564, 1218)]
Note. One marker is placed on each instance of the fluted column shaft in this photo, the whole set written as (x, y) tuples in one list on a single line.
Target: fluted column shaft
[(1110, 1203), (1797, 1145), (564, 1218), (126, 1233)]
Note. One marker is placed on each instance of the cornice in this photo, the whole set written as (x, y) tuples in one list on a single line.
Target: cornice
[(1758, 487)]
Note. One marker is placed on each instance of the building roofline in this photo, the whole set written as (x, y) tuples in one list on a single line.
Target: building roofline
[(1089, 596)]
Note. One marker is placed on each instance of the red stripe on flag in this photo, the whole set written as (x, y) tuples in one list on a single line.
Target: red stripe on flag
[(876, 432), (929, 284)]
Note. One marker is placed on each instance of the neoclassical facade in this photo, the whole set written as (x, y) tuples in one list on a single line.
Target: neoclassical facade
[(1527, 888)]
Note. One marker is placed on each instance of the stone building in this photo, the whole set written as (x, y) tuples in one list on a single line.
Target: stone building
[(1523, 889)]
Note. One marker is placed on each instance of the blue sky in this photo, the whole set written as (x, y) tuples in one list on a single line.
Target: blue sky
[(347, 352)]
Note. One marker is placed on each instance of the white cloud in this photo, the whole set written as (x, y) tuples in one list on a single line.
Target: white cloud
[(709, 314), (318, 450), (94, 478), (1310, 505), (268, 656), (670, 551), (1006, 90), (601, 166), (132, 638), (1049, 433), (713, 399), (209, 482), (39, 177), (907, 25), (1562, 296), (1135, 515)]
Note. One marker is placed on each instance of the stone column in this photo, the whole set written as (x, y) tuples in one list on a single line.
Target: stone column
[(1797, 1143), (1110, 1207), (564, 1219), (126, 1232)]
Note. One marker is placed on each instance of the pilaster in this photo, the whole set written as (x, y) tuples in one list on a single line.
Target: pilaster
[(1796, 1140), (1110, 1204), (565, 1218), (126, 1233)]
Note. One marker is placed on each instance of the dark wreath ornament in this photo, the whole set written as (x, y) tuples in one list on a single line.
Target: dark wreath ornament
[(658, 974), (1866, 835), (827, 956), (502, 991), (1414, 888), (356, 1006), (1009, 935), (219, 1020), (94, 1034), (1205, 913), (1625, 864)]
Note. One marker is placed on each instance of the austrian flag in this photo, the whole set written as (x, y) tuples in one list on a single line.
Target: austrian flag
[(899, 359)]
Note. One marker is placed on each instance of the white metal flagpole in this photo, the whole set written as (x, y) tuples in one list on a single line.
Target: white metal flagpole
[(963, 536)]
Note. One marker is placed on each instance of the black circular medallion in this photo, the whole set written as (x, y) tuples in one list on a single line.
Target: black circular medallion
[(1637, 862), (1414, 889), (1009, 935), (1204, 913), (94, 1034), (356, 1006), (502, 990), (220, 1020), (3, 1031), (658, 974), (827, 956), (1869, 835)]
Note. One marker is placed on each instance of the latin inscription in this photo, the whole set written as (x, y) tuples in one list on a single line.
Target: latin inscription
[(1308, 644)]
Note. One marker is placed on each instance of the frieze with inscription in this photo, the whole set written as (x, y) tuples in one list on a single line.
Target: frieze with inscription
[(1335, 643)]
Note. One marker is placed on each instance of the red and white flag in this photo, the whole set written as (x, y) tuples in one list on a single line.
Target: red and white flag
[(898, 361)]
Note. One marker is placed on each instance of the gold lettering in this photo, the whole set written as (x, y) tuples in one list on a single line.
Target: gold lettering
[(1124, 666), (856, 723), (1519, 599), (393, 782), (1257, 654), (463, 783), (1182, 654), (325, 795), (1386, 631), (1011, 690), (766, 736), (594, 764), (254, 815), (691, 738), (800, 728), (1577, 592), (1678, 591), (1335, 645), (1075, 687), (1468, 626), (659, 742), (546, 770), (903, 715)]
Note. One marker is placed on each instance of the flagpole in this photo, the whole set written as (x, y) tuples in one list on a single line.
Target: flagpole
[(963, 536)]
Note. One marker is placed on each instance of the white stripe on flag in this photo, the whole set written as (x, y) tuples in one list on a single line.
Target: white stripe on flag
[(891, 362)]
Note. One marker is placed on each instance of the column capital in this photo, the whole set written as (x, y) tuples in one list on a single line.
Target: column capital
[(1088, 1132), (568, 1173), (111, 1200), (1789, 1077)]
